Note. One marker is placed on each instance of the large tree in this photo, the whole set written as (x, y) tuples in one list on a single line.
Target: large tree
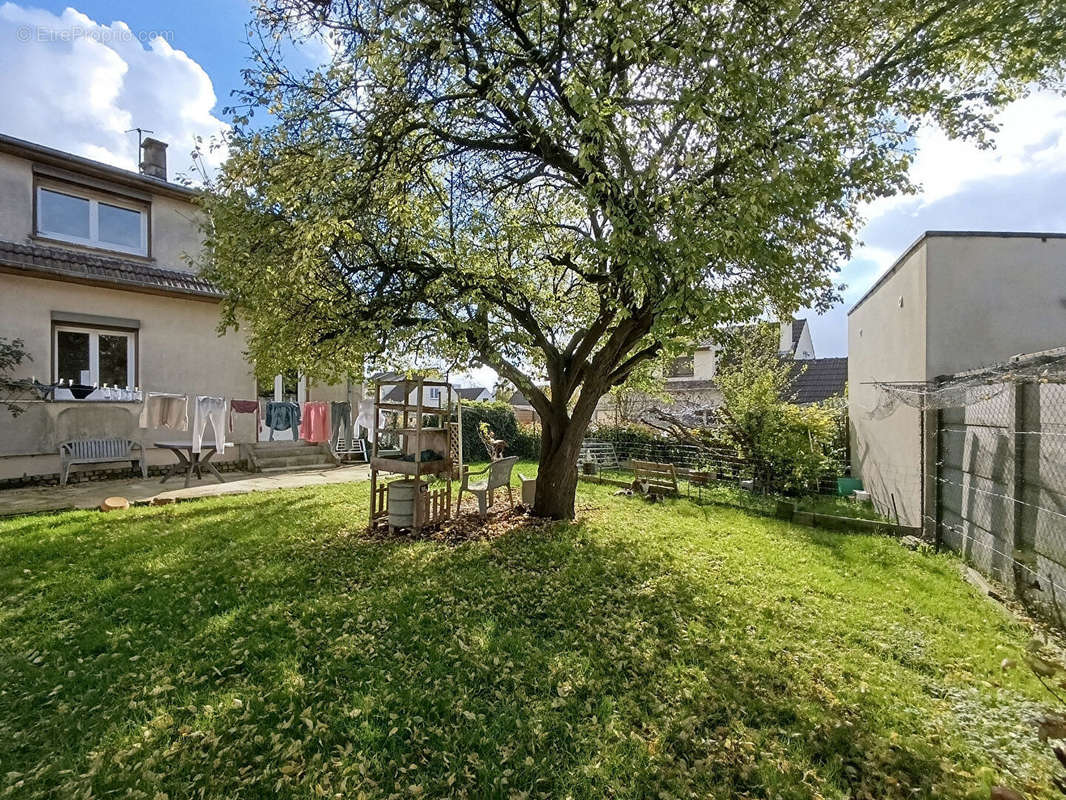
[(569, 189)]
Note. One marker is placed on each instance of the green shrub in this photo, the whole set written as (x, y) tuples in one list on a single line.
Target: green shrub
[(497, 415), (526, 443)]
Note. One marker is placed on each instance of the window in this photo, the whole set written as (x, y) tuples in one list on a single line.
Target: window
[(682, 367), (434, 393), (95, 356), (87, 219)]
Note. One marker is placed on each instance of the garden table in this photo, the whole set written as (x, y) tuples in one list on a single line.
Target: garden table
[(189, 462)]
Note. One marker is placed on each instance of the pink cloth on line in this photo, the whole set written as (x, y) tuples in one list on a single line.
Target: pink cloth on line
[(314, 423)]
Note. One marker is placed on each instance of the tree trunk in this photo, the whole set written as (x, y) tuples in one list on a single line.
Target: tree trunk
[(560, 445)]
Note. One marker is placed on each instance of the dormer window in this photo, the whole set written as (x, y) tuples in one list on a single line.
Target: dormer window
[(683, 367), (95, 220)]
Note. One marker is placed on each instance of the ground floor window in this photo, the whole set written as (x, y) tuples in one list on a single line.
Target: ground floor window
[(95, 356)]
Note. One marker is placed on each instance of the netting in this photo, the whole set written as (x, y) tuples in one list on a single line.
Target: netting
[(997, 471)]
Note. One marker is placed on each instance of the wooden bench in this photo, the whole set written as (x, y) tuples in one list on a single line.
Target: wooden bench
[(99, 451), (655, 478)]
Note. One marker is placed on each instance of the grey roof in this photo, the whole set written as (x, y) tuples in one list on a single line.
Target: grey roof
[(470, 392), (823, 378), (387, 377), (797, 331), (519, 399), (87, 166), (84, 267)]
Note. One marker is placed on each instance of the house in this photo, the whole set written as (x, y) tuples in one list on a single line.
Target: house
[(689, 381), (524, 412), (391, 384), (954, 301), (94, 279), (474, 394)]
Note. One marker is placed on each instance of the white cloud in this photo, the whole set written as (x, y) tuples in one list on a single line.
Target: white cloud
[(1015, 186), (72, 83)]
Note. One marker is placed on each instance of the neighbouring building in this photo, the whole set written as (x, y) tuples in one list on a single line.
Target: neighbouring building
[(689, 381), (954, 301), (94, 279)]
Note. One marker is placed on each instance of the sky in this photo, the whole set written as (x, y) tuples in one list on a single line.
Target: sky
[(77, 78)]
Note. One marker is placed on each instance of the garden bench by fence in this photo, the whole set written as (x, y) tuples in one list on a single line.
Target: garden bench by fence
[(655, 478), (99, 451), (499, 477)]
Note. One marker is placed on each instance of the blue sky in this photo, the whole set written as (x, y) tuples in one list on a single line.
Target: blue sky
[(95, 75)]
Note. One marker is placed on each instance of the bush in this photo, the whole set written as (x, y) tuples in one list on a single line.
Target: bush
[(526, 443), (500, 417)]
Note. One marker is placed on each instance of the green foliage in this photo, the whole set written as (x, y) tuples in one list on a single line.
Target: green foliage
[(789, 447), (498, 416), (571, 189), (12, 354), (257, 646), (526, 442)]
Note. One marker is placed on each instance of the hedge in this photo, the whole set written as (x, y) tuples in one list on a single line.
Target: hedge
[(500, 417)]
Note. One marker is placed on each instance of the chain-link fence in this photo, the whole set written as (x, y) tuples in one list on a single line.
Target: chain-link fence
[(996, 464), (714, 475)]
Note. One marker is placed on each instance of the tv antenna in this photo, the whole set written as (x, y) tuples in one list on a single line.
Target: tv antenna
[(140, 138)]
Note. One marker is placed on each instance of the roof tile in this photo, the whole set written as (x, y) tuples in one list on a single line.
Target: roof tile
[(121, 272)]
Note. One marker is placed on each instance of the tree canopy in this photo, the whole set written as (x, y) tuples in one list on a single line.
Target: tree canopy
[(571, 189)]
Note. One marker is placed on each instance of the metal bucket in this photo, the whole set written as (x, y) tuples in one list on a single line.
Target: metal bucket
[(401, 502)]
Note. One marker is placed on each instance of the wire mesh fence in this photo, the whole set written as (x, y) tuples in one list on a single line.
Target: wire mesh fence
[(997, 489), (713, 475)]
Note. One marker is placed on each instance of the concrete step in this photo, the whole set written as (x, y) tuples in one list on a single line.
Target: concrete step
[(308, 460), (288, 451), (305, 468)]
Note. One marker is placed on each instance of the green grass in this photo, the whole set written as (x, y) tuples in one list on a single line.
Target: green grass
[(261, 646), (730, 494)]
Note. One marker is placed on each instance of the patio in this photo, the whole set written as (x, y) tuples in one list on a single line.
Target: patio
[(90, 494)]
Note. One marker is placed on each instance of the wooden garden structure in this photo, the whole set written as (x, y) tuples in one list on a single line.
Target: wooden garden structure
[(429, 443)]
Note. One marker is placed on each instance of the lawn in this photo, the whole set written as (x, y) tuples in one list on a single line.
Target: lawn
[(262, 646)]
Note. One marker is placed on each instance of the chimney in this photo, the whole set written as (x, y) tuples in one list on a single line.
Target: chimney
[(154, 158)]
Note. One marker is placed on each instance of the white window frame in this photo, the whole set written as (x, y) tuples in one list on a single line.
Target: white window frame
[(95, 200), (94, 353), (434, 393)]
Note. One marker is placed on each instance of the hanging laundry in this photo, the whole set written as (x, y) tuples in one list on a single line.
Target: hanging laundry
[(244, 407), (365, 418), (314, 426), (340, 416), (165, 410), (213, 410), (282, 416)]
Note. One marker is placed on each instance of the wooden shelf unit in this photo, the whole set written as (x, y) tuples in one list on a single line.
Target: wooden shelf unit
[(432, 506)]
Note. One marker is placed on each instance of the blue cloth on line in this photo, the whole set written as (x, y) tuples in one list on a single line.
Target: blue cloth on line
[(282, 416)]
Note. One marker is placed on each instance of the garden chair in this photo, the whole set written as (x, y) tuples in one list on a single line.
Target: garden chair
[(499, 477)]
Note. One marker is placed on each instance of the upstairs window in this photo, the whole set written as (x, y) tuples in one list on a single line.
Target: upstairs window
[(86, 219)]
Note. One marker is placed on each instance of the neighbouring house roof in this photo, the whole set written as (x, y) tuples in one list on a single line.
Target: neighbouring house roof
[(97, 169), (470, 392), (387, 377), (797, 333), (823, 378), (102, 270), (519, 399)]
